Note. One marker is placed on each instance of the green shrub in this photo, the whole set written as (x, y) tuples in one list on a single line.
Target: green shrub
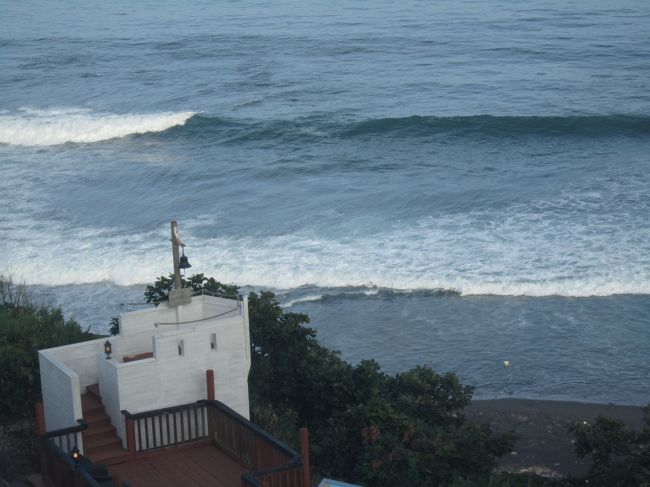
[(365, 426), (26, 328), (620, 456)]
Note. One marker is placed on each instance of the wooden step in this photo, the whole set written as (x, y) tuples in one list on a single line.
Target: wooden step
[(90, 402), (93, 390), (99, 441), (108, 455), (99, 428), (95, 416)]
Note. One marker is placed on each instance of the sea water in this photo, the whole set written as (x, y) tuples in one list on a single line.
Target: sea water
[(449, 183)]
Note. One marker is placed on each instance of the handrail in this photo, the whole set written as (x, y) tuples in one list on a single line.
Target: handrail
[(251, 426), (156, 412), (165, 427), (81, 426), (74, 469), (256, 477), (245, 448), (226, 410)]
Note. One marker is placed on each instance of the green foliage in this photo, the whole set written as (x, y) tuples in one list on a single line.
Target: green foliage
[(506, 479), (365, 426), (26, 328), (114, 326), (159, 290), (621, 457)]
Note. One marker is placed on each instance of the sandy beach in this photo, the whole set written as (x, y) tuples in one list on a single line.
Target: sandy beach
[(544, 445)]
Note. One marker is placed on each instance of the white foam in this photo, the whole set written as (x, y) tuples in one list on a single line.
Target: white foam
[(29, 127), (563, 246), (519, 255), (303, 299)]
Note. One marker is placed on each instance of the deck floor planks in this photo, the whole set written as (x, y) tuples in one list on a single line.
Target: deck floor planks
[(212, 463), (222, 466), (194, 474), (194, 467), (198, 466)]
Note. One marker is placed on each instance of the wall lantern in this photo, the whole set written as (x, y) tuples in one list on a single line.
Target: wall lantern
[(108, 349), (75, 455)]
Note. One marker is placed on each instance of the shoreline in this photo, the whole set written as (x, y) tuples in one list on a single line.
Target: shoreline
[(545, 446)]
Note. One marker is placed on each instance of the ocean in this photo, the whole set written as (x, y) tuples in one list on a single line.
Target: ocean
[(449, 183)]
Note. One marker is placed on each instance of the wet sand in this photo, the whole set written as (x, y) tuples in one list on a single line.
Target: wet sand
[(544, 445)]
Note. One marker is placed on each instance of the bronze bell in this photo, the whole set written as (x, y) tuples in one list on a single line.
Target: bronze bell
[(184, 263)]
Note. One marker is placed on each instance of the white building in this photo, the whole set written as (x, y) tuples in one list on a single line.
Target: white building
[(158, 360)]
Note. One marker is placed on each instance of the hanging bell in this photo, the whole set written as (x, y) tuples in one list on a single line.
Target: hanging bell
[(184, 263)]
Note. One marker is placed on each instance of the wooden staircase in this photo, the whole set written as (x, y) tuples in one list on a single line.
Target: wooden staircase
[(101, 443)]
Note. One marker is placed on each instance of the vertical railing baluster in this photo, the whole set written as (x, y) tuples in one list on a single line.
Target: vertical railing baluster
[(167, 426), (182, 427), (137, 425), (175, 429), (160, 428), (146, 433), (196, 423)]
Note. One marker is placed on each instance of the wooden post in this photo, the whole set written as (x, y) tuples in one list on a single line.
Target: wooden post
[(130, 438), (175, 256), (304, 456), (40, 418), (209, 378), (40, 425)]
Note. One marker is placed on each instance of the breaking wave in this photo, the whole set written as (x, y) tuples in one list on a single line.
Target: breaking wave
[(53, 127), (427, 259)]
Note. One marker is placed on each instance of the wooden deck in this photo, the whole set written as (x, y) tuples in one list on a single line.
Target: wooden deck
[(199, 464)]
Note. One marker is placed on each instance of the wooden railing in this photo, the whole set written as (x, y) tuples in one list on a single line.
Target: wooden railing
[(284, 476), (67, 438), (165, 427), (273, 464), (57, 465)]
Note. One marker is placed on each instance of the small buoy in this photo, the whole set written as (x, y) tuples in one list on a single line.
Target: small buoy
[(506, 364)]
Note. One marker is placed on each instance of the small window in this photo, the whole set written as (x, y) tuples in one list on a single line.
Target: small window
[(181, 347), (213, 341)]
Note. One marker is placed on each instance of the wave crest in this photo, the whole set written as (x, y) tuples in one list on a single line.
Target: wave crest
[(312, 129), (54, 127), (491, 125)]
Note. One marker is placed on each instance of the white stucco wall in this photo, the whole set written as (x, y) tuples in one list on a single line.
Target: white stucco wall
[(170, 379), (80, 358), (109, 390), (61, 393)]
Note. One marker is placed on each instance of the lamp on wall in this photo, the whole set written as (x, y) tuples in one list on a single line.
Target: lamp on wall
[(75, 455), (108, 349)]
